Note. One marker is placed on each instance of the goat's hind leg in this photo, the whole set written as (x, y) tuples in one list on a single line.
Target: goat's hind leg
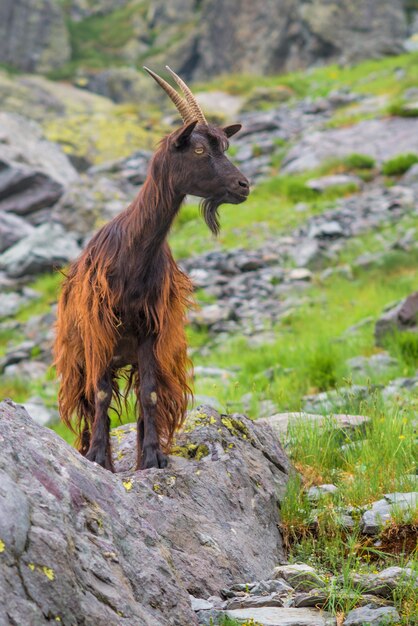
[(100, 450), (149, 450)]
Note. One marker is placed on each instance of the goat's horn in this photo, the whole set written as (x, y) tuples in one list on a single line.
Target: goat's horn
[(191, 100), (182, 105)]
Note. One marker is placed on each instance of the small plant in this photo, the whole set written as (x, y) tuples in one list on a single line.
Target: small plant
[(359, 161), (399, 164)]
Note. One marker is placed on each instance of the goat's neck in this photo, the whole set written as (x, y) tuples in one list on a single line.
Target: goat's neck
[(150, 218)]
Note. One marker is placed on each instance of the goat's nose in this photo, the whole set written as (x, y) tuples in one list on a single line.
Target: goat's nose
[(244, 183)]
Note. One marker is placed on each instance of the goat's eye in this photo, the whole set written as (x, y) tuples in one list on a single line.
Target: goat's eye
[(199, 150)]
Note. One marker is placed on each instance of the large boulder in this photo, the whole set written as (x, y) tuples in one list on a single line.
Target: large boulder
[(33, 35), (381, 139), (43, 250), (83, 546), (33, 171)]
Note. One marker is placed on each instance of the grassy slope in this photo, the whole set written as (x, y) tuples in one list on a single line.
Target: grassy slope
[(310, 348)]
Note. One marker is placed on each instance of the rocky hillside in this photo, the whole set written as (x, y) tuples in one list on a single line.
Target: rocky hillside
[(307, 322), (200, 39)]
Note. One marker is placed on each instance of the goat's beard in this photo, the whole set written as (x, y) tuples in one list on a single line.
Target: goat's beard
[(209, 209)]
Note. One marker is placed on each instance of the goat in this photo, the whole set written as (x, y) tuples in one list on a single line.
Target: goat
[(123, 302)]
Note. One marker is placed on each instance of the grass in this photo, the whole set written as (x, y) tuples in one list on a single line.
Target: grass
[(399, 164)]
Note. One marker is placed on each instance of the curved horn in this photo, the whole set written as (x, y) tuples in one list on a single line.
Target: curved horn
[(182, 106), (191, 100)]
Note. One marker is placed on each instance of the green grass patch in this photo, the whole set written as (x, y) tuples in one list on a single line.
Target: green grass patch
[(399, 164)]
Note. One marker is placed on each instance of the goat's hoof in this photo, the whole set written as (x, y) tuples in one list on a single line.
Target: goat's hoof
[(152, 457), (96, 456)]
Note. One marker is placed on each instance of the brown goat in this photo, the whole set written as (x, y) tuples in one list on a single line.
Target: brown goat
[(124, 300)]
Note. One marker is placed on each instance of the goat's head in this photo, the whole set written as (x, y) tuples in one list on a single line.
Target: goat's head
[(198, 164)]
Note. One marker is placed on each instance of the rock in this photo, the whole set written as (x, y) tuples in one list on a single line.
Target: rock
[(403, 316), (280, 421), (88, 204), (377, 364), (372, 617), (210, 315), (302, 577), (199, 604), (382, 510), (219, 103), (384, 138), (12, 229), (38, 411), (294, 38), (25, 371), (318, 492), (336, 180), (97, 543), (33, 36), (12, 302), (411, 176), (315, 598), (121, 84), (252, 601), (33, 172), (133, 169), (47, 248), (327, 230), (336, 399), (399, 387), (283, 617), (300, 273), (212, 372)]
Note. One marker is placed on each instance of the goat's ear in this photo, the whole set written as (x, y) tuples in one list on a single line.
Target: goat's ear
[(182, 137), (232, 130)]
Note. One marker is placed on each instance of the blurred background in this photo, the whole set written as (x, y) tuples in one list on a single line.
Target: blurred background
[(291, 291)]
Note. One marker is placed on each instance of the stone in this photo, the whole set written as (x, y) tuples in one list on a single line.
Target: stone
[(25, 371), (199, 604), (319, 491), (315, 598), (33, 37), (121, 84), (335, 180), (300, 273), (34, 173), (134, 536), (219, 103), (210, 315), (336, 399), (385, 138), (45, 249), (12, 229), (13, 301), (411, 176), (403, 316), (377, 363), (385, 615), (280, 421), (381, 511), (302, 577), (38, 411), (283, 616), (252, 601)]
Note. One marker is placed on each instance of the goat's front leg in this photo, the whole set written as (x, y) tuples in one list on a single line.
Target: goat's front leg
[(99, 450), (149, 450)]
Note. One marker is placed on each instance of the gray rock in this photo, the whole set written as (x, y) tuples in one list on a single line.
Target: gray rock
[(38, 411), (384, 138), (199, 604), (319, 491), (335, 180), (334, 400), (411, 176), (102, 544), (280, 421), (377, 364), (33, 37), (371, 616), (12, 229), (302, 577), (12, 302), (25, 371), (315, 598), (381, 511), (121, 84), (47, 248), (210, 315), (252, 601), (283, 616), (403, 316)]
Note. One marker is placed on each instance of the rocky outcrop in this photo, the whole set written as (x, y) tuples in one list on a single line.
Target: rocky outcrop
[(208, 38), (81, 545), (33, 35), (403, 316)]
